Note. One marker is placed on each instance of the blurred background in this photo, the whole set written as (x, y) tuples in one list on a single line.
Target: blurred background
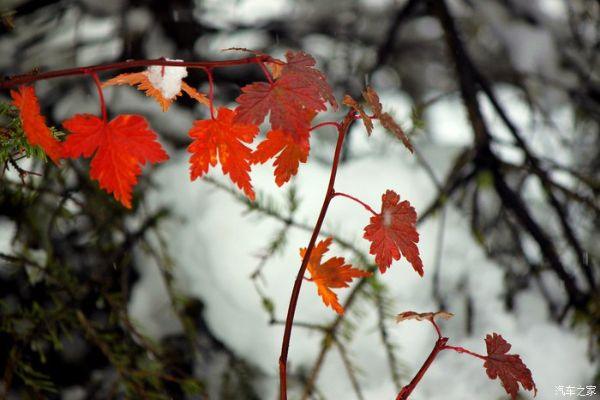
[(184, 297)]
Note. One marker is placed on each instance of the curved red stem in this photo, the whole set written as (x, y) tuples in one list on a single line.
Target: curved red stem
[(362, 203), (100, 94), (211, 92), (440, 344), (266, 72), (285, 344), (461, 350)]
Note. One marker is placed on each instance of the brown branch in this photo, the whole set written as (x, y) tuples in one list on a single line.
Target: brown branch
[(93, 335), (387, 47), (9, 370), (540, 172)]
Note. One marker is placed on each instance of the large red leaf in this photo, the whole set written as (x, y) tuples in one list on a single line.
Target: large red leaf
[(333, 273), (223, 139), (34, 125), (118, 148), (508, 367), (393, 231), (300, 89), (301, 66)]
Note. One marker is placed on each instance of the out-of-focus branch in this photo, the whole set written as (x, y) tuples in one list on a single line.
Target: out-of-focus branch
[(485, 159)]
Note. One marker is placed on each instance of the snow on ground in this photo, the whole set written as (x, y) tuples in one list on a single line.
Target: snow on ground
[(216, 248)]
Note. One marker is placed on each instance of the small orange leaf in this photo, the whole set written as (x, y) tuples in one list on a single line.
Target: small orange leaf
[(142, 81), (333, 273), (34, 124), (194, 94)]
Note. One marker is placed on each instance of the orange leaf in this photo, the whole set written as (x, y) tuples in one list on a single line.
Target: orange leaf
[(194, 94), (223, 138), (508, 367), (333, 273), (289, 154), (34, 125), (118, 148), (142, 82), (393, 231)]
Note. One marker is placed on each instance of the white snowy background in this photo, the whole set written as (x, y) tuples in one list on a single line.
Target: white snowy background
[(216, 248)]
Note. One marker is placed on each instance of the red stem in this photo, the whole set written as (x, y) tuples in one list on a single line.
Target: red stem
[(266, 72), (437, 328), (101, 94), (365, 205), (328, 123), (211, 92), (33, 77), (463, 350), (440, 345), (285, 344)]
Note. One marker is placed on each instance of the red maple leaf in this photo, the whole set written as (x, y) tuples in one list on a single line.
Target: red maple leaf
[(223, 138), (118, 148), (34, 125), (300, 89), (393, 231), (508, 367), (301, 66), (333, 273)]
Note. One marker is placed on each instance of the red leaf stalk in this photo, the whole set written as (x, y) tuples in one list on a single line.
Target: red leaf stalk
[(362, 203), (266, 72), (211, 92), (100, 94)]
